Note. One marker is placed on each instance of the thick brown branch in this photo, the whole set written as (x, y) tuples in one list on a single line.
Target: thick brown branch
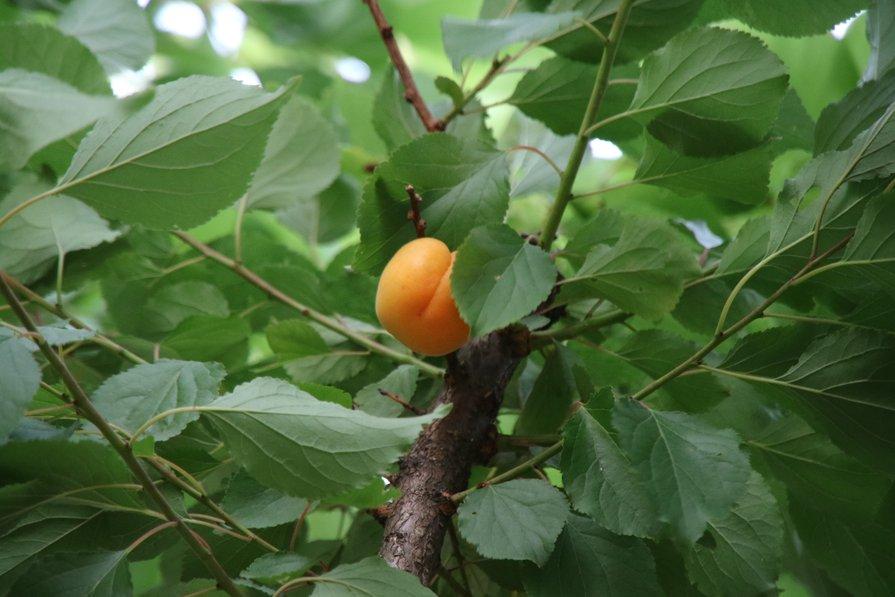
[(439, 463), (415, 213), (411, 92)]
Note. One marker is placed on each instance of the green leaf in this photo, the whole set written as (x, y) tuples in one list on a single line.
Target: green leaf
[(19, 379), (529, 172), (43, 49), (557, 91), (651, 23), (61, 333), (115, 30), (602, 483), (554, 391), (463, 183), (198, 133), (842, 383), (657, 352), (43, 531), (85, 467), (395, 120), (857, 557), (794, 17), (131, 398), (327, 393), (370, 576), (278, 567), (516, 520), (301, 158), (740, 177), (710, 92), (36, 110), (325, 217), (742, 550), (643, 271), (257, 506), (168, 307), (483, 38), (840, 123), (695, 471), (294, 338), (880, 33), (33, 239), (499, 278), (293, 442), (816, 471), (589, 560), (78, 574), (210, 338), (401, 381)]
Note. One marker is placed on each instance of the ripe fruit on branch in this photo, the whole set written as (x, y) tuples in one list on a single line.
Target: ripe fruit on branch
[(414, 300)]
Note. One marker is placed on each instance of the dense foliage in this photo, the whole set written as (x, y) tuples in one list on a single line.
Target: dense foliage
[(196, 396)]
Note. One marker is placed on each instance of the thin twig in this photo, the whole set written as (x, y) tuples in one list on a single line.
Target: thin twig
[(601, 84), (326, 321), (512, 473), (395, 398), (97, 338), (299, 522), (537, 151), (411, 92), (86, 408), (414, 214)]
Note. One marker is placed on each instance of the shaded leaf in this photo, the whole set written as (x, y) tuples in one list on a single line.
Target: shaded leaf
[(370, 576), (257, 506), (84, 574), (19, 379), (117, 31)]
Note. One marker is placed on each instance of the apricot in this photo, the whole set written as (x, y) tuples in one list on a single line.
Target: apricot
[(414, 301)]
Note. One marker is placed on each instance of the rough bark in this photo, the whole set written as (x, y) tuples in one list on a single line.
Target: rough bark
[(440, 461)]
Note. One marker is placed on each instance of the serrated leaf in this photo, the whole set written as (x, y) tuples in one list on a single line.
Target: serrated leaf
[(880, 33), (643, 271), (78, 574), (198, 133), (710, 92), (557, 91), (740, 177), (516, 520), (293, 442), (589, 560), (482, 38), (743, 555), (858, 557), (301, 158), (44, 49), (794, 17), (62, 333), (131, 398), (36, 110), (31, 240), (840, 123), (257, 506), (401, 381), (395, 120), (210, 338), (117, 31), (558, 385), (499, 278), (277, 567), (694, 471), (169, 306), (818, 472), (370, 576), (294, 338), (327, 216), (841, 382), (602, 483), (19, 379), (463, 182), (530, 172)]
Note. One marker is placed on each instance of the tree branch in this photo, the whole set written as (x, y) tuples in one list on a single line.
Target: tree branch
[(439, 463), (414, 214), (564, 192), (411, 92), (326, 321), (85, 406)]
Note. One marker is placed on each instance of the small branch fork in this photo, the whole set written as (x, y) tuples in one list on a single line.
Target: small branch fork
[(83, 404), (411, 92), (414, 214)]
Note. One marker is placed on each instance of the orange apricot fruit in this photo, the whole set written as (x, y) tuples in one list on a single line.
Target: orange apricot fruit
[(414, 301)]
